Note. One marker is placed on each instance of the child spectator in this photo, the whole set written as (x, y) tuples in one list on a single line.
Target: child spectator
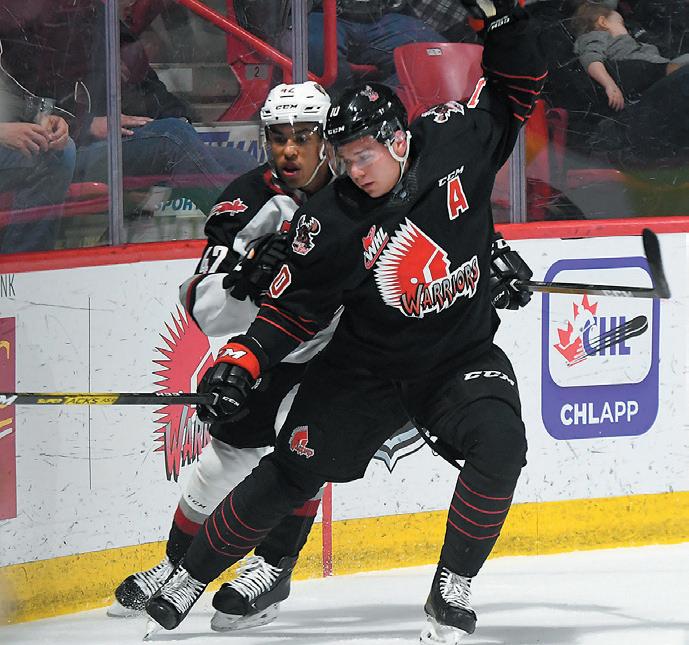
[(603, 41)]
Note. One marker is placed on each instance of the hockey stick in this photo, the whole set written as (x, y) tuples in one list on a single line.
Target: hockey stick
[(659, 289), (105, 398), (630, 329)]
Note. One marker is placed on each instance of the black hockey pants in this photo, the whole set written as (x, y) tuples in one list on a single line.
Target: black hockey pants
[(342, 415)]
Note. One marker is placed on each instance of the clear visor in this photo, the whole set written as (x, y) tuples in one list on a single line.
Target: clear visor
[(356, 156), (299, 135)]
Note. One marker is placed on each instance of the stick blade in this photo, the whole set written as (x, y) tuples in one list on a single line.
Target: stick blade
[(655, 263)]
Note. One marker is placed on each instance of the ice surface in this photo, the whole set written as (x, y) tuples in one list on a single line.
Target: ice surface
[(636, 596)]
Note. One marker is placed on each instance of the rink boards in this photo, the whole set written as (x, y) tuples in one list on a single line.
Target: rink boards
[(88, 492)]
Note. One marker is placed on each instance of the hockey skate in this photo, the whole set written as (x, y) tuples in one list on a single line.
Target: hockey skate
[(253, 597), (450, 616), (135, 590), (170, 605)]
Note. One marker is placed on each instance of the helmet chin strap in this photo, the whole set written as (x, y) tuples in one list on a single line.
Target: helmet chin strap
[(403, 159), (321, 157)]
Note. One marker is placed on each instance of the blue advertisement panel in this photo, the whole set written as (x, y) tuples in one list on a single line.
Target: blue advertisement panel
[(599, 354)]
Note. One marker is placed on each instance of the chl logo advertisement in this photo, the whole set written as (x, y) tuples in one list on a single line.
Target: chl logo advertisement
[(8, 455), (186, 356), (595, 381)]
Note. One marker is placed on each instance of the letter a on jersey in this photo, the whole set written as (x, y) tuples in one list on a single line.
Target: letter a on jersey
[(456, 199)]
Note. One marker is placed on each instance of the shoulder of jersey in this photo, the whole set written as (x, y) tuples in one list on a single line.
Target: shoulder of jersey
[(327, 209), (246, 193), (437, 116), (325, 200)]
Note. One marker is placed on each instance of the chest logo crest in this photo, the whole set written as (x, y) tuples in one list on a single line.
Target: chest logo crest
[(413, 274)]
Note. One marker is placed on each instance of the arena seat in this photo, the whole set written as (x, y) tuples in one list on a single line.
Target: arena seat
[(432, 73)]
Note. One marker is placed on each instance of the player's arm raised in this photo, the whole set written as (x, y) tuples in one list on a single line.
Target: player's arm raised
[(514, 70)]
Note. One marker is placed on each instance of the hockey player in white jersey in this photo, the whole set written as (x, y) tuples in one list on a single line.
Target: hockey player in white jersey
[(246, 243)]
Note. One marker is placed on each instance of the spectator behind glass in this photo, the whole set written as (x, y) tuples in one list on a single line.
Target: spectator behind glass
[(665, 23), (368, 31), (649, 92), (157, 139), (36, 164), (447, 17), (603, 37)]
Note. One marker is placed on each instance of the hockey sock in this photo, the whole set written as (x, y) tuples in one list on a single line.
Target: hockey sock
[(181, 535), (290, 535), (477, 512), (244, 518)]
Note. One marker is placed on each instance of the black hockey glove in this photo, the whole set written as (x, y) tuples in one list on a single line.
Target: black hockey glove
[(256, 270), (506, 267), (491, 14), (230, 381)]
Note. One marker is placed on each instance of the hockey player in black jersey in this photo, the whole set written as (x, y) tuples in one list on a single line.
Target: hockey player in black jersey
[(403, 242), (246, 244)]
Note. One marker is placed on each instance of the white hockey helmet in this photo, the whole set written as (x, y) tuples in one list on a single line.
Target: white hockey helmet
[(295, 103)]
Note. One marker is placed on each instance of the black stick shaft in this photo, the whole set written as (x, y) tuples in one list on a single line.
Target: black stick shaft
[(659, 289), (590, 289), (104, 398)]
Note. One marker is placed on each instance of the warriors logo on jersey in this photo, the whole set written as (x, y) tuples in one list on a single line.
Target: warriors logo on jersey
[(413, 274), (441, 113), (307, 228), (374, 243), (229, 208)]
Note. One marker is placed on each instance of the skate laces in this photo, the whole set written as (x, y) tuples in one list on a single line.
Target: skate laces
[(182, 590), (254, 577), (455, 589), (150, 580)]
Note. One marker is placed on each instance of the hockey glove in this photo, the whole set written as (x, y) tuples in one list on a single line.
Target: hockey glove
[(506, 268), (256, 270), (231, 380), (486, 15)]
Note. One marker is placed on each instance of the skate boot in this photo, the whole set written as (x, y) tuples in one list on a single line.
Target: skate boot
[(170, 605), (253, 597), (450, 616), (135, 590)]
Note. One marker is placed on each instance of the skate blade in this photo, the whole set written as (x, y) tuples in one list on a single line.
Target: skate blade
[(231, 623), (434, 633), (117, 610), (152, 628)]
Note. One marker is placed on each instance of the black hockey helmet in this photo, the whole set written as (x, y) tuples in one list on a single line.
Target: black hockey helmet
[(366, 109)]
